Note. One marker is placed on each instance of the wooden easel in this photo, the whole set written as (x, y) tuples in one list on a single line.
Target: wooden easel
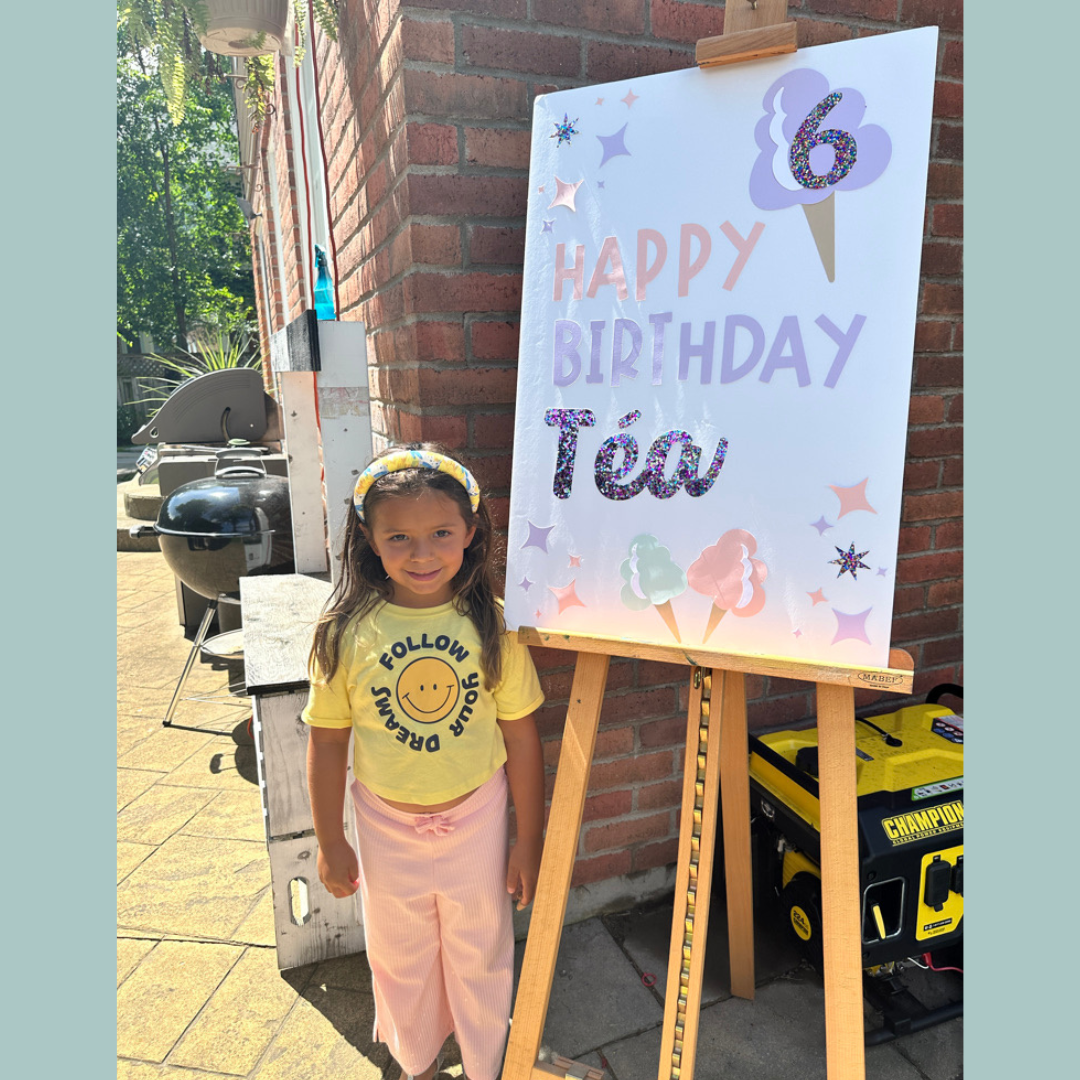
[(716, 765)]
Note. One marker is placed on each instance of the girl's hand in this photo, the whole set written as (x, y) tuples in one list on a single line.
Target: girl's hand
[(523, 870), (338, 869)]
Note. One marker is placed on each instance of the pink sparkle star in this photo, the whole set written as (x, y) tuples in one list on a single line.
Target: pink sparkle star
[(851, 626), (630, 98), (817, 596), (537, 614), (565, 195), (599, 101), (575, 560), (853, 498), (566, 595)]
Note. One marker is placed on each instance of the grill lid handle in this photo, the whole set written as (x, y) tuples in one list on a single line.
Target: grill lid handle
[(248, 458)]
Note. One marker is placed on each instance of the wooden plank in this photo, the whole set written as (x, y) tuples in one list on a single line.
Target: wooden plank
[(556, 866), (841, 921), (735, 795), (895, 680), (745, 45), (331, 927), (282, 746), (296, 346), (280, 612), (305, 471)]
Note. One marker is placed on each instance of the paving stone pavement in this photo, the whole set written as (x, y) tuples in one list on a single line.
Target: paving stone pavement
[(198, 989)]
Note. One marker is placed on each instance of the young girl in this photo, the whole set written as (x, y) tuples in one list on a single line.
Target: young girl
[(412, 657)]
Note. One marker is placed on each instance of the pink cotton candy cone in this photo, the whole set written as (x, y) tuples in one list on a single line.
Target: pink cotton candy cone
[(727, 575), (715, 615)]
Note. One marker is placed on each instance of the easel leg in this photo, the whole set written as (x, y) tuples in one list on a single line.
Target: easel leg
[(693, 884), (557, 866), (841, 922), (735, 795)]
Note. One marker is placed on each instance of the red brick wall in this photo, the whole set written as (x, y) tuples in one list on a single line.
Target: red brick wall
[(426, 110)]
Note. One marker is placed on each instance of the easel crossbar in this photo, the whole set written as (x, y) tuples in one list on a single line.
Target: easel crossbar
[(897, 678)]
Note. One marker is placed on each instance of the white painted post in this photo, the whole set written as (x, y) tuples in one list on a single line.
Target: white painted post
[(345, 418), (305, 481), (327, 359)]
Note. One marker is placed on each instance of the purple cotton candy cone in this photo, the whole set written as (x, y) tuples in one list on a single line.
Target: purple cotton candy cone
[(850, 154)]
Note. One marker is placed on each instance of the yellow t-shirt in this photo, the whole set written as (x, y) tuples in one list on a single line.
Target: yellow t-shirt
[(410, 685)]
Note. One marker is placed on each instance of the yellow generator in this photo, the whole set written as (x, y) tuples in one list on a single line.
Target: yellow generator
[(910, 770)]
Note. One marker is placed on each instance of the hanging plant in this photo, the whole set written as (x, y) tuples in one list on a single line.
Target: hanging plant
[(167, 34)]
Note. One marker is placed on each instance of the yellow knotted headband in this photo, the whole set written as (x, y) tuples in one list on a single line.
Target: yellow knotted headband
[(396, 460)]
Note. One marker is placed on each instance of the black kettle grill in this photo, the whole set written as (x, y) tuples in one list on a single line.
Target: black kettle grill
[(215, 531)]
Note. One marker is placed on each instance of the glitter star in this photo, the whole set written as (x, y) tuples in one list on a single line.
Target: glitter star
[(565, 195), (853, 498), (849, 562), (613, 145), (566, 595), (566, 130), (817, 596), (547, 225), (538, 537), (821, 525), (575, 560), (525, 583), (630, 98), (851, 626)]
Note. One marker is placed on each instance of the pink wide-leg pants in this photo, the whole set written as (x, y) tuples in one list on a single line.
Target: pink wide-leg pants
[(439, 927)]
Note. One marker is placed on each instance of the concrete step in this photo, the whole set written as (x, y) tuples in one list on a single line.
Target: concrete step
[(142, 502)]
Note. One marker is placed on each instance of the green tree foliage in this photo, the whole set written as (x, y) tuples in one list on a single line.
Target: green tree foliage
[(183, 248)]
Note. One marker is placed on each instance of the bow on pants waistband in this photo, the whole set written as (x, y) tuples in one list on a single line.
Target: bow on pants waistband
[(433, 823)]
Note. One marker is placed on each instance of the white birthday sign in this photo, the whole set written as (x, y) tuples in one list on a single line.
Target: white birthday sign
[(721, 276)]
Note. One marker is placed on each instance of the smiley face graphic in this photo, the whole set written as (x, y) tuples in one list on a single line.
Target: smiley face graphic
[(428, 690)]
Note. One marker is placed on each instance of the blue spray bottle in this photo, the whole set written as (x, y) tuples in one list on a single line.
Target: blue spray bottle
[(324, 287)]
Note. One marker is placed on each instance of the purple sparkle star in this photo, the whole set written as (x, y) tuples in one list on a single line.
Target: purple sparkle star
[(821, 525), (547, 225), (525, 583), (849, 562), (613, 145), (538, 537), (851, 626), (881, 571)]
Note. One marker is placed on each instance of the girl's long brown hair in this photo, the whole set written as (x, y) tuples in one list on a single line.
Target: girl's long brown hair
[(364, 584)]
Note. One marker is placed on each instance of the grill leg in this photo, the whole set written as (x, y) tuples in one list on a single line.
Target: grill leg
[(204, 626)]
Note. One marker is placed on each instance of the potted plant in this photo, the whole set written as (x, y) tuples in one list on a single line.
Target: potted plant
[(244, 27), (185, 39)]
